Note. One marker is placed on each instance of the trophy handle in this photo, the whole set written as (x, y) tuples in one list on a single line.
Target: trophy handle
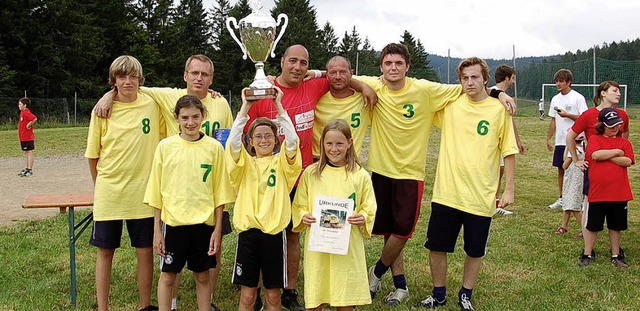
[(232, 20), (281, 17)]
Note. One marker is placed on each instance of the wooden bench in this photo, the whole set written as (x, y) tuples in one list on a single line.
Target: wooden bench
[(64, 202)]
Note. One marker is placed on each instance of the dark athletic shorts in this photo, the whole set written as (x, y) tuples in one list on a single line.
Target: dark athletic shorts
[(260, 252), (292, 195), (226, 223), (108, 233), (558, 156), (187, 244), (614, 212), (27, 145), (444, 227), (398, 203)]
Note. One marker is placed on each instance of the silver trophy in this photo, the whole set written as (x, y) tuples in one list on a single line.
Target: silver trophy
[(257, 32)]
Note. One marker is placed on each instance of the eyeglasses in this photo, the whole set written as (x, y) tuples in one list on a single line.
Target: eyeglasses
[(264, 137), (195, 74)]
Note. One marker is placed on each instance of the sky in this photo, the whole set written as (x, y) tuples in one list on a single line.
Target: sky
[(485, 28)]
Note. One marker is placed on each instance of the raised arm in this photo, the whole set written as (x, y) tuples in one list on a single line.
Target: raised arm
[(290, 135)]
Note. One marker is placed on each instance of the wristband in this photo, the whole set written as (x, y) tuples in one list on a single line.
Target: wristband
[(317, 73), (495, 93)]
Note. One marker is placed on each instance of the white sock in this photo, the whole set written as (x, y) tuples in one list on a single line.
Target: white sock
[(174, 303)]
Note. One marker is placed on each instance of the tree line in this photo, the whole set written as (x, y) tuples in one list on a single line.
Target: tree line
[(54, 48)]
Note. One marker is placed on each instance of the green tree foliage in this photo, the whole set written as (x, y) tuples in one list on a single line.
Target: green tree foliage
[(302, 29), (328, 42), (368, 60), (350, 45), (420, 67)]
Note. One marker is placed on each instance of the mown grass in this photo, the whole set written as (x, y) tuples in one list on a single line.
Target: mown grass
[(527, 267)]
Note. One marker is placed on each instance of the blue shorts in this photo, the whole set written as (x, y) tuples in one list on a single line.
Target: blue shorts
[(108, 233), (444, 227), (558, 156)]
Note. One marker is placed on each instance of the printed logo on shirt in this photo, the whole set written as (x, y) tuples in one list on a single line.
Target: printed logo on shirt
[(304, 121)]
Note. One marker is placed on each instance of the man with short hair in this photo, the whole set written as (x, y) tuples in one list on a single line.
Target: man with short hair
[(476, 131), (341, 102), (505, 77), (564, 110), (300, 100), (400, 129)]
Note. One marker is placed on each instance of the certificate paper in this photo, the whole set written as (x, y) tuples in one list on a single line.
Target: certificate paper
[(331, 232)]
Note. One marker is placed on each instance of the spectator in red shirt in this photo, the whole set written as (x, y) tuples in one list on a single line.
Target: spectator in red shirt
[(25, 133)]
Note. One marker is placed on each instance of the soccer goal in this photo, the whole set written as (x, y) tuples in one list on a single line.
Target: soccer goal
[(587, 90)]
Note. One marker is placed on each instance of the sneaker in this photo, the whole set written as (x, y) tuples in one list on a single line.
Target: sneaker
[(585, 260), (619, 261), (375, 284), (556, 204), (258, 306), (27, 173), (396, 297), (465, 303), (503, 211), (290, 301), (22, 172), (429, 303), (148, 308), (214, 307)]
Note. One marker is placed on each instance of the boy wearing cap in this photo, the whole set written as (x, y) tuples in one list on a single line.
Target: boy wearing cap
[(608, 155)]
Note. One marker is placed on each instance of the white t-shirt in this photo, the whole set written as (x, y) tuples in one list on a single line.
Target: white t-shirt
[(574, 103), (541, 106)]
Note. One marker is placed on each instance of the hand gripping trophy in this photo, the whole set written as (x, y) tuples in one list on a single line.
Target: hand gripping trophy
[(257, 32)]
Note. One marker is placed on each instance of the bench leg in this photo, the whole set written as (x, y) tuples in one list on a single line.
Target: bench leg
[(72, 255)]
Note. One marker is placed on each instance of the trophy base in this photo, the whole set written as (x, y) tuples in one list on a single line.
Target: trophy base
[(256, 94)]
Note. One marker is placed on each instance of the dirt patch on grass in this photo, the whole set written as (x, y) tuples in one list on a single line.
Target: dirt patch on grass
[(51, 175)]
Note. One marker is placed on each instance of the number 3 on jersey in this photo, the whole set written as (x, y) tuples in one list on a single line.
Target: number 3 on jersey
[(410, 113)]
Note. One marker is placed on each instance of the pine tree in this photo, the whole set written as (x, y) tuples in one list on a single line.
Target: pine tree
[(328, 42), (302, 29), (420, 67), (350, 45)]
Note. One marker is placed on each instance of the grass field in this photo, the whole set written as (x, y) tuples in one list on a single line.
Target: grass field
[(527, 267)]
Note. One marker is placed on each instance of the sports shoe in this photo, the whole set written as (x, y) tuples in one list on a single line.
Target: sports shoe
[(148, 308), (503, 211), (214, 307), (429, 303), (290, 301), (396, 297), (375, 284), (465, 303), (27, 173), (22, 172), (585, 260), (556, 204), (619, 261)]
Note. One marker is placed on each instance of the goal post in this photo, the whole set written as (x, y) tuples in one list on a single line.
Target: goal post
[(587, 90)]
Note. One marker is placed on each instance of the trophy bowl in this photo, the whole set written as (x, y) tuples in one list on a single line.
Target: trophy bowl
[(258, 41)]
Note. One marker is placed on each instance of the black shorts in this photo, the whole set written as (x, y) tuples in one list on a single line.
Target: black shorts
[(187, 244), (614, 212), (292, 195), (585, 183), (258, 252), (398, 203), (558, 156), (226, 223), (27, 145), (108, 233), (444, 227)]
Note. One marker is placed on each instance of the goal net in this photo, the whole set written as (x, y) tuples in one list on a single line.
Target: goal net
[(587, 90)]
